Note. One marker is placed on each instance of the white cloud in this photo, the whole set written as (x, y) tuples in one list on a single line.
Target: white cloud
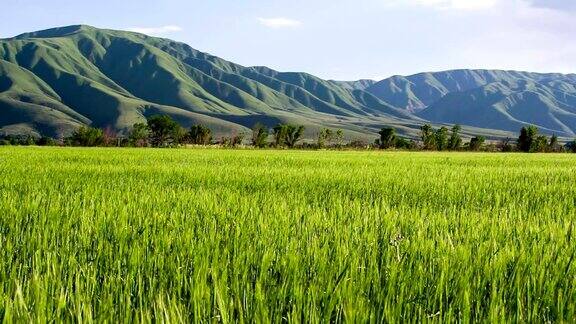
[(555, 4), (279, 22), (561, 5), (456, 4), (521, 37), (156, 30)]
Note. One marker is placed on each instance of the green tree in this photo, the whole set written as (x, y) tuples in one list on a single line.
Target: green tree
[(476, 143), (280, 132), (505, 145), (164, 131), (527, 137), (388, 138), (259, 135), (139, 135), (199, 135), (86, 136), (25, 140), (571, 146), (554, 145), (293, 135), (46, 141), (441, 137), (325, 136), (455, 141), (427, 137), (405, 144), (287, 134), (339, 137), (539, 145), (29, 141), (237, 139)]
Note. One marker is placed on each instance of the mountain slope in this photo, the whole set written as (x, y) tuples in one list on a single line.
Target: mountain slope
[(489, 99), (56, 80), (503, 105), (419, 91), (82, 75), (355, 85)]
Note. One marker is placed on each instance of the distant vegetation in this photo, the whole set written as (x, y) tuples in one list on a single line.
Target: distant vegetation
[(54, 81), (163, 131), (442, 139)]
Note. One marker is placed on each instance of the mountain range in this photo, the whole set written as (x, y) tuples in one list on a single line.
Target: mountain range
[(56, 80)]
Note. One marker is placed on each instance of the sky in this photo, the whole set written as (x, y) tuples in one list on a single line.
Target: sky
[(335, 39)]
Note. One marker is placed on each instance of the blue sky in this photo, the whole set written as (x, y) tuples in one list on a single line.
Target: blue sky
[(337, 39)]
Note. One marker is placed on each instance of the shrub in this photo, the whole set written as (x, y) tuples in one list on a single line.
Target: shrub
[(387, 138), (200, 135), (86, 136), (47, 141), (476, 143), (287, 134), (139, 135), (259, 135), (164, 131)]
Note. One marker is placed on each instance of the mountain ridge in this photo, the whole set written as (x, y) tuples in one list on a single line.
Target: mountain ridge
[(54, 80)]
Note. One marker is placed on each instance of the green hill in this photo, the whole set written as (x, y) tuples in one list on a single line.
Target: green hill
[(551, 105), (419, 91), (56, 80), (489, 99)]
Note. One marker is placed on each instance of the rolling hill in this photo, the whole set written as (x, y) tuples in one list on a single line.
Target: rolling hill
[(503, 105), (56, 80), (489, 99)]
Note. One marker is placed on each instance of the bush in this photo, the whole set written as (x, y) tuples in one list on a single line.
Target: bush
[(164, 131), (571, 147), (259, 135), (526, 139), (287, 134), (387, 138), (405, 144), (476, 143), (139, 135), (47, 141), (86, 136), (505, 145), (199, 135), (358, 144)]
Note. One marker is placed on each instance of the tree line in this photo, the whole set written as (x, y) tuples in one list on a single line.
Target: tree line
[(444, 139), (163, 131)]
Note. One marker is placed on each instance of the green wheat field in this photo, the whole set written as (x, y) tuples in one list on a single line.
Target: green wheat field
[(213, 235)]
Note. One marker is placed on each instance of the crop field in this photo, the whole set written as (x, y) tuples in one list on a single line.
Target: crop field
[(208, 235)]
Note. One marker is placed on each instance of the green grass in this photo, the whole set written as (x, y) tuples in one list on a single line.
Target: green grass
[(269, 236)]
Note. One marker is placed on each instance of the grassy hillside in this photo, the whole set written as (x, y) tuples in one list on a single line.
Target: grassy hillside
[(490, 99), (56, 80), (504, 105), (355, 85), (421, 90), (109, 78)]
